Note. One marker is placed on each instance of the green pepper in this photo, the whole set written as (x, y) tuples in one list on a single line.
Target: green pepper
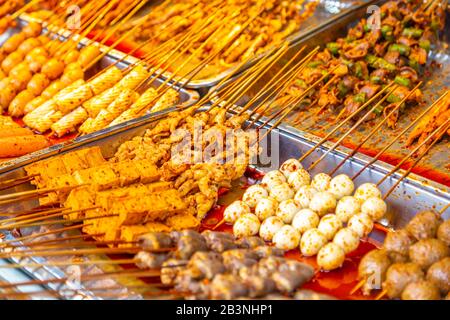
[(383, 64), (333, 47), (402, 81), (343, 89), (425, 44), (314, 64), (387, 33), (349, 39), (358, 70), (404, 50), (370, 59), (414, 64), (360, 97), (348, 63), (366, 28), (435, 25), (324, 73), (378, 110), (393, 98), (412, 32), (375, 80), (301, 83)]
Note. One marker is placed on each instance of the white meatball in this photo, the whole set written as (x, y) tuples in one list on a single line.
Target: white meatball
[(253, 194), (361, 223), (311, 242), (330, 257), (329, 225), (321, 182), (347, 207), (287, 238), (374, 207), (304, 196), (266, 207), (366, 191), (235, 210), (273, 178), (299, 179), (269, 227), (287, 210), (290, 166), (282, 192), (246, 225), (347, 239), (323, 203), (341, 186), (305, 220)]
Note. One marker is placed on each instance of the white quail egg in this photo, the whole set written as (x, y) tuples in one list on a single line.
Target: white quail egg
[(311, 242), (304, 220), (235, 210), (299, 179), (321, 182), (366, 191), (273, 178), (329, 225), (374, 207), (266, 207), (361, 224), (341, 186), (287, 210), (330, 257), (253, 194), (290, 166), (246, 225), (269, 227), (347, 239), (323, 203), (287, 238), (347, 207), (304, 196), (282, 192)]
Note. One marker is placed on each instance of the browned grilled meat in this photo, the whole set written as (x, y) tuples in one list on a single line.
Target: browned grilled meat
[(421, 290), (439, 274), (428, 251), (443, 232), (373, 267), (424, 225), (398, 276), (397, 244)]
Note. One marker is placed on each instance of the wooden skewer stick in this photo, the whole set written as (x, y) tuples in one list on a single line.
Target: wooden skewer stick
[(74, 245), (57, 240), (33, 214), (441, 212), (374, 159), (356, 125), (15, 182), (77, 252), (375, 129), (381, 295), (16, 14), (4, 199)]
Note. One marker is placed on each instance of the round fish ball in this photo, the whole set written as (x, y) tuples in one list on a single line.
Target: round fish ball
[(304, 196), (305, 220), (375, 208), (235, 210), (330, 257), (246, 225), (347, 207), (299, 179), (287, 238), (321, 182), (266, 207), (253, 194), (341, 186), (312, 241), (290, 166), (269, 227), (273, 178), (366, 191), (323, 203), (282, 192), (361, 224), (287, 210), (329, 225), (347, 239)]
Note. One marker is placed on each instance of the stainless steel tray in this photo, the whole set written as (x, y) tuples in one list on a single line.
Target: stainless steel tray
[(187, 97), (413, 194), (435, 165), (327, 12)]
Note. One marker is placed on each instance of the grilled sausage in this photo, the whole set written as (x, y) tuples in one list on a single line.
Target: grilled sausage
[(421, 290), (428, 251), (399, 275), (397, 244), (424, 225), (439, 274)]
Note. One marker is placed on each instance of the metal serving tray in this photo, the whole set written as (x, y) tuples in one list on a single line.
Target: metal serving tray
[(435, 165), (327, 12), (187, 97), (413, 194)]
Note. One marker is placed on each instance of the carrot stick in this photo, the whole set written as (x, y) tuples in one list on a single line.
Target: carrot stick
[(19, 146)]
